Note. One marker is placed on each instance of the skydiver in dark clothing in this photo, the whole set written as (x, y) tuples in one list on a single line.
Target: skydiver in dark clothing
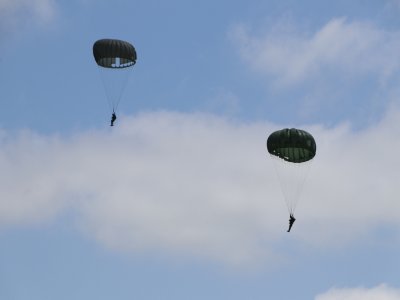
[(291, 221), (113, 118)]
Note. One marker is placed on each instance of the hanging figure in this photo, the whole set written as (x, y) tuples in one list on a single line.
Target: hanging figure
[(291, 221), (113, 118)]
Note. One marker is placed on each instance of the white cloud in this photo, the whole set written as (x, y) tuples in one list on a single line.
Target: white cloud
[(351, 48), (380, 292), (392, 4), (13, 13), (201, 185)]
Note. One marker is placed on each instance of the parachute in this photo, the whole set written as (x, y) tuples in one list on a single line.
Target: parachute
[(115, 59), (292, 151)]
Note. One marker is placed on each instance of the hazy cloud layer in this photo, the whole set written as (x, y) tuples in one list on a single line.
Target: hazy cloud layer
[(381, 292), (15, 13), (200, 185), (293, 56)]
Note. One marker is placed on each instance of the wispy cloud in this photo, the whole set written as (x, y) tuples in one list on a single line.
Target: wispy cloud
[(350, 48), (380, 292), (392, 4), (14, 13), (200, 185)]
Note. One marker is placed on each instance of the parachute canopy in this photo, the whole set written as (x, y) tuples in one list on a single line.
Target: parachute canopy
[(292, 145), (112, 53)]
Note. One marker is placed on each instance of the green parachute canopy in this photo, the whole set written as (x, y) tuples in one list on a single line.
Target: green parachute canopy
[(112, 53), (292, 145)]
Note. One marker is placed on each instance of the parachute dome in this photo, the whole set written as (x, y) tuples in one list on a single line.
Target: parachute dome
[(112, 53), (292, 145)]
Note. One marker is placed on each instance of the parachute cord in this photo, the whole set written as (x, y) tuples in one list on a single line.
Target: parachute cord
[(289, 205), (113, 96), (304, 176), (291, 210), (291, 190), (107, 96), (125, 82), (115, 107)]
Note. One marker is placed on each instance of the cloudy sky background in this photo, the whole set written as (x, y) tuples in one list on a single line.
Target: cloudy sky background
[(180, 199)]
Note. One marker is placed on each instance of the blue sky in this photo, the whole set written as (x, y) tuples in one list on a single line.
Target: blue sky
[(180, 200)]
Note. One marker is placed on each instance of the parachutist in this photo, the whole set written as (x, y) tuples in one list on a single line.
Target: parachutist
[(113, 118), (291, 221)]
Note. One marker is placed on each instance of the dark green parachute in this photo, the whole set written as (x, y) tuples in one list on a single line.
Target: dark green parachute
[(292, 151), (112, 53), (292, 145)]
